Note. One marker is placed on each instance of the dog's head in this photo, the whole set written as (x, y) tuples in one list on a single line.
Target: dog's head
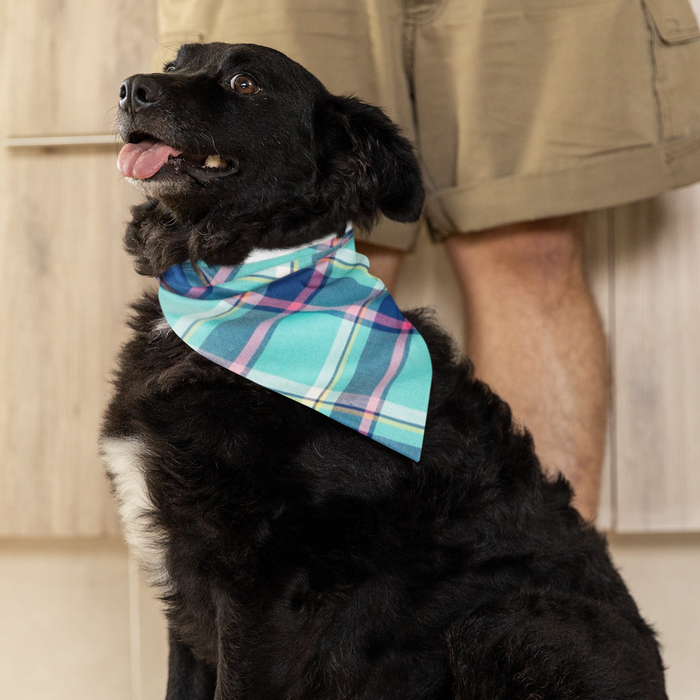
[(237, 146)]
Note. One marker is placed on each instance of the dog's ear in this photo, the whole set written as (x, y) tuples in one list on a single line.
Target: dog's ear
[(362, 144)]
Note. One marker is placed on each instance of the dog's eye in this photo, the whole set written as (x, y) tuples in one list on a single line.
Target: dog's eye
[(169, 67), (244, 84)]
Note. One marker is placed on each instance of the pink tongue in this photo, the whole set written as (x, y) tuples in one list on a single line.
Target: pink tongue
[(145, 159)]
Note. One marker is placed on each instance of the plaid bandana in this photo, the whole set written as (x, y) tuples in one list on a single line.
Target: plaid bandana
[(311, 324)]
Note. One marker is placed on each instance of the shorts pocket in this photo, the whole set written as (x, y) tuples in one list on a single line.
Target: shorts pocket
[(675, 20)]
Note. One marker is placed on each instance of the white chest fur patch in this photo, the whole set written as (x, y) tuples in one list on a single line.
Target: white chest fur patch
[(125, 464)]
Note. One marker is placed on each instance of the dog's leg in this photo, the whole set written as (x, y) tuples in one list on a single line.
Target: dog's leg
[(188, 678), (551, 646)]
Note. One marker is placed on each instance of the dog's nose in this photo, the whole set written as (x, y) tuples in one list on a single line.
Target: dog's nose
[(138, 92)]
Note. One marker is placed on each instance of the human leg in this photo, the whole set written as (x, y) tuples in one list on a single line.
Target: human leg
[(534, 334)]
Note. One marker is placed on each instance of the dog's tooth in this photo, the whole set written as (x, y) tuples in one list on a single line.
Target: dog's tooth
[(214, 162)]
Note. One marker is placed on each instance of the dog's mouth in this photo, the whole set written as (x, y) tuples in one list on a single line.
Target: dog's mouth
[(144, 156)]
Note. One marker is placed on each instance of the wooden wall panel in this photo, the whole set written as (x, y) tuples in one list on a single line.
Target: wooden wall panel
[(66, 280), (657, 363), (66, 60), (61, 217)]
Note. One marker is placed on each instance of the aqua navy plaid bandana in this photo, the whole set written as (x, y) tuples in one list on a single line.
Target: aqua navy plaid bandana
[(311, 324)]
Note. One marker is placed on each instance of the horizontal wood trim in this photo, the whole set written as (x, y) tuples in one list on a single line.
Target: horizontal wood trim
[(64, 140)]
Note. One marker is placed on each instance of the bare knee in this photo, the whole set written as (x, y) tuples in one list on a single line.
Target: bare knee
[(540, 258)]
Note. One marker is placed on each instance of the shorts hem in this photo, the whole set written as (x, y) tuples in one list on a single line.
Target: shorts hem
[(683, 158), (606, 181), (392, 234)]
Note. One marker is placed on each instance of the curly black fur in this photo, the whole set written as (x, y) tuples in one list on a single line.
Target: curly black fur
[(304, 560), (306, 161)]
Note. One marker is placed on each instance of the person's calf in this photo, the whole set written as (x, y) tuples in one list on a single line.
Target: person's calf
[(534, 334)]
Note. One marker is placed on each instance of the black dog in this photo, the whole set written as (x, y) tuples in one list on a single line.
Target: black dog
[(298, 558)]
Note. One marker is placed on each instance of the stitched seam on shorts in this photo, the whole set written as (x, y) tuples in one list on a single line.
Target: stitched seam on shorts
[(655, 74), (681, 148), (409, 57), (422, 12)]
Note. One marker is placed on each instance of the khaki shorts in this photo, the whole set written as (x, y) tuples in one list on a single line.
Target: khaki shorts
[(520, 109)]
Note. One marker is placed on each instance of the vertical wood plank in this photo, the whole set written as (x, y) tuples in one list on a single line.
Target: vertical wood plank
[(68, 283), (65, 61), (657, 310), (66, 278), (599, 273)]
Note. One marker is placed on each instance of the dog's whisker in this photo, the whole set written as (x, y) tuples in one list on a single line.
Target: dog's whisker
[(314, 163), (204, 138), (215, 150)]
